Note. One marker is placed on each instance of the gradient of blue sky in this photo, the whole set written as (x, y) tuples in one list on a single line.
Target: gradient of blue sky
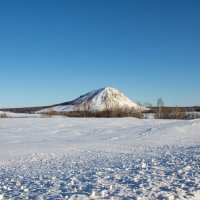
[(53, 51)]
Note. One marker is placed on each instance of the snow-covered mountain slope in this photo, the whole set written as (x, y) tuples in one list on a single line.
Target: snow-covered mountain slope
[(97, 100)]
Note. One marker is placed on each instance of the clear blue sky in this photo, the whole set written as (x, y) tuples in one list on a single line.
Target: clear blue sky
[(55, 50)]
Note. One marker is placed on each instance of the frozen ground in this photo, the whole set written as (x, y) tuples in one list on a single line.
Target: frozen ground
[(126, 158)]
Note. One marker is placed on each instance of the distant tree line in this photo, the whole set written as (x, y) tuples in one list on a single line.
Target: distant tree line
[(159, 112), (107, 113), (162, 112)]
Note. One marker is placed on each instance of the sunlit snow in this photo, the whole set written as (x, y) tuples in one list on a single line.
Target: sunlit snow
[(78, 158)]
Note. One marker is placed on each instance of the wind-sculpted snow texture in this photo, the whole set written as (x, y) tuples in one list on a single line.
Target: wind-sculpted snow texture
[(66, 158)]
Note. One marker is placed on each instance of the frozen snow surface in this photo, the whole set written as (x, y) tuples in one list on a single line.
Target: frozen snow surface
[(78, 158), (97, 100)]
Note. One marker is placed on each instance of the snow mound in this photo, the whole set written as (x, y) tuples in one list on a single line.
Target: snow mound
[(18, 115), (98, 100)]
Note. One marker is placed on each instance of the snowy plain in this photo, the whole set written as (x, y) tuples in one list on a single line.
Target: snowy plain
[(99, 158)]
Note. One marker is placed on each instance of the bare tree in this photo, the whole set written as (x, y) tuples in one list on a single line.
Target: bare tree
[(160, 104), (86, 108), (147, 104)]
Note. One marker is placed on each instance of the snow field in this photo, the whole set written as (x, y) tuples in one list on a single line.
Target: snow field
[(126, 158)]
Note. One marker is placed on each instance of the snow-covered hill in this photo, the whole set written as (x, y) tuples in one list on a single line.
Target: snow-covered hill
[(97, 100)]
